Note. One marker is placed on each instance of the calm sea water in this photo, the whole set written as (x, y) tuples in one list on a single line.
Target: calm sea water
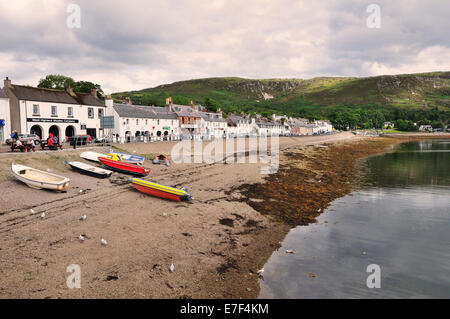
[(401, 223)]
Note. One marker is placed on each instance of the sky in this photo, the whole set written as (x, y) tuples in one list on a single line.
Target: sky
[(136, 44)]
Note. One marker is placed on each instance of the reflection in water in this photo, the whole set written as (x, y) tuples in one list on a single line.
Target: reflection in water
[(401, 222)]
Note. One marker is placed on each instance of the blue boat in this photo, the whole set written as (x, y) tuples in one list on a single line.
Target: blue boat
[(130, 158)]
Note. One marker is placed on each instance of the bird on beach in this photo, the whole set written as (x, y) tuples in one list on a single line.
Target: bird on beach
[(83, 217), (32, 211), (43, 215), (81, 238), (260, 272), (104, 242), (172, 268)]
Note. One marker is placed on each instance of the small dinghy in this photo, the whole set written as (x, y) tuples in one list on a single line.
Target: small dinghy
[(129, 158), (114, 162), (90, 170), (91, 156), (35, 178), (161, 191), (160, 159)]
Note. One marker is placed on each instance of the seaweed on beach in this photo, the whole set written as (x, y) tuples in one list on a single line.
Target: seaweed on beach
[(306, 183)]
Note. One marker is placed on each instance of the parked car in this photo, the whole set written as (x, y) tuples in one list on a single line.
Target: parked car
[(24, 138)]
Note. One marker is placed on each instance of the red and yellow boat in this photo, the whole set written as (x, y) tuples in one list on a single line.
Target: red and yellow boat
[(115, 163), (161, 191)]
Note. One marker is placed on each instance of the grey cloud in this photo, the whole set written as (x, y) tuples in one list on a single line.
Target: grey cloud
[(136, 44)]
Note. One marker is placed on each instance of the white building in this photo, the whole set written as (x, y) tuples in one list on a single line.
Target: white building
[(142, 123), (62, 113), (5, 123), (242, 125), (212, 125), (323, 127), (267, 128)]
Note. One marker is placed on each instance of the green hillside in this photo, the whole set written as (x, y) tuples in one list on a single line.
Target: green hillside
[(415, 97)]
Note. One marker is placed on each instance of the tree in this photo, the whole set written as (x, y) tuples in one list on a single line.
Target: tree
[(437, 125), (87, 87), (61, 82), (56, 81), (211, 104)]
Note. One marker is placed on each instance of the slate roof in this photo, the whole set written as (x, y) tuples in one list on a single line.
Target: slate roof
[(30, 93), (146, 112), (184, 110), (212, 117), (3, 95)]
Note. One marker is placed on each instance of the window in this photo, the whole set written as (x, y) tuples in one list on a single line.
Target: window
[(91, 112), (35, 109), (128, 121), (70, 111), (137, 121), (54, 110), (146, 122), (100, 113), (158, 122)]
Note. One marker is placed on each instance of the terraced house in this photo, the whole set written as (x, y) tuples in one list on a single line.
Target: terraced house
[(142, 123), (62, 113)]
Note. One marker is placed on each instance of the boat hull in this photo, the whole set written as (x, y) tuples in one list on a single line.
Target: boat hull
[(39, 179), (94, 172), (125, 168), (130, 158), (91, 156), (160, 191)]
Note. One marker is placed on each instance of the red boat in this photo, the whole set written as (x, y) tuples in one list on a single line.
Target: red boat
[(114, 163), (161, 191)]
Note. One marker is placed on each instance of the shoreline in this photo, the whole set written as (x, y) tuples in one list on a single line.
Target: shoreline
[(217, 243)]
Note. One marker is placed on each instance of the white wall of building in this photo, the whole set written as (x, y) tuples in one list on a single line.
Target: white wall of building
[(5, 131), (45, 119)]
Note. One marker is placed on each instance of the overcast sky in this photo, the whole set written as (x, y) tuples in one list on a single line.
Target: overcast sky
[(136, 44)]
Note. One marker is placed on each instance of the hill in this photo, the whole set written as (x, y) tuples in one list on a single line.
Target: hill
[(408, 96)]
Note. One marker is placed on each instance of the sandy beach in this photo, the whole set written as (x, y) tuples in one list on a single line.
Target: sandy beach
[(217, 243)]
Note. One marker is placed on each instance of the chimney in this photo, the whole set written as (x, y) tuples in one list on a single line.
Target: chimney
[(70, 91), (94, 93), (192, 103), (168, 101), (219, 111), (127, 100), (109, 101), (7, 83)]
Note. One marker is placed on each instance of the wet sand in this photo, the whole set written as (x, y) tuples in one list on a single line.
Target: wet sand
[(216, 243)]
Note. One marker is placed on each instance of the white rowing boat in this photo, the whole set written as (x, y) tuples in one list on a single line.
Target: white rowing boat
[(35, 178), (90, 170), (92, 156)]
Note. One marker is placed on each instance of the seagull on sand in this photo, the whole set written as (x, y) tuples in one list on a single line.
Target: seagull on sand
[(43, 215), (83, 217), (81, 238), (104, 242), (172, 268), (32, 211)]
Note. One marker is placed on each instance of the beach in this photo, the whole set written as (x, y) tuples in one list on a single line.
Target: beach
[(217, 243)]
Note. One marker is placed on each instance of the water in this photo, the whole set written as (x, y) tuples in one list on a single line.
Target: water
[(401, 223)]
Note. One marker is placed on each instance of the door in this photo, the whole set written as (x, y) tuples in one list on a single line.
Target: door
[(92, 132)]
